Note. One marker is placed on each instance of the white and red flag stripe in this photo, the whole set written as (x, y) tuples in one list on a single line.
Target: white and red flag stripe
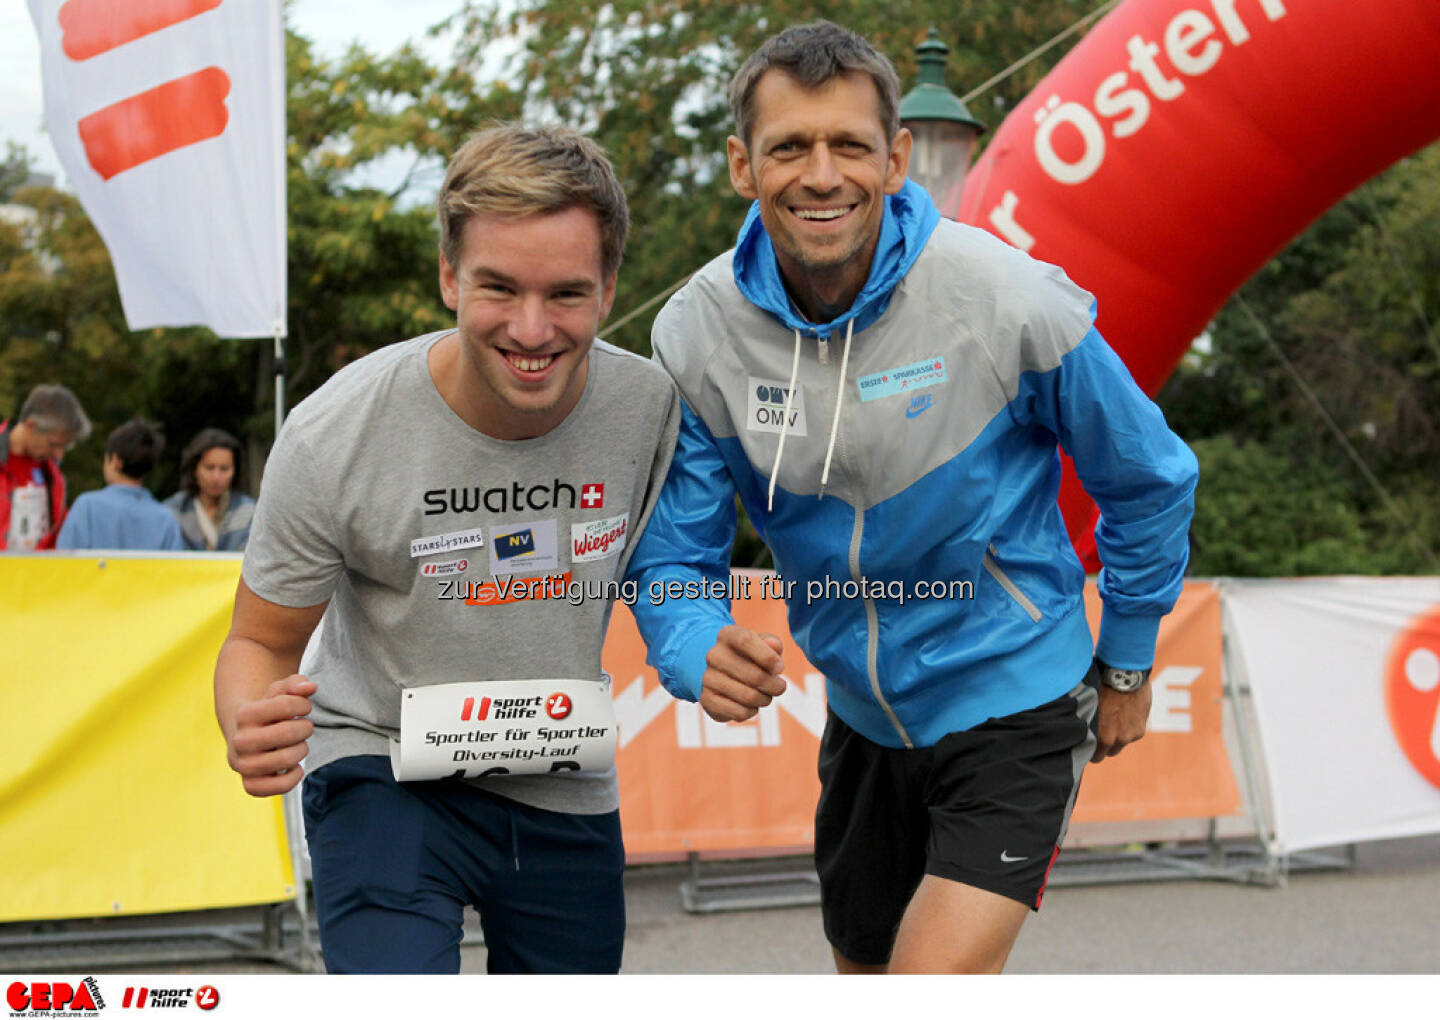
[(169, 118)]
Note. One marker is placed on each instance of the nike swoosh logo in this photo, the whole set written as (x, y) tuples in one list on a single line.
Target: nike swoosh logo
[(1005, 856)]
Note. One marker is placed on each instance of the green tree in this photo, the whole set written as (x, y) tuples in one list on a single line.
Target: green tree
[(1340, 327)]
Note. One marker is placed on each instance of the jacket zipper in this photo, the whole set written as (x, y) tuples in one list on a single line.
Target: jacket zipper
[(988, 561), (872, 616)]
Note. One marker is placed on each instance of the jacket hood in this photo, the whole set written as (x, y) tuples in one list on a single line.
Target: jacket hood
[(906, 223)]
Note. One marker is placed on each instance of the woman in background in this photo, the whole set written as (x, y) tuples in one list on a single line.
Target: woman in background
[(213, 513)]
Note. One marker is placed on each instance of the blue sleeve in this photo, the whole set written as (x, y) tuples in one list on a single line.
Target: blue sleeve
[(75, 532), (172, 539), (688, 540), (1141, 476)]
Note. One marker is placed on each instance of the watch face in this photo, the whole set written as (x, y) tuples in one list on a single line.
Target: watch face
[(1124, 680)]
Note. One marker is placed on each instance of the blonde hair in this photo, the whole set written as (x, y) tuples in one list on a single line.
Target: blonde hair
[(512, 170)]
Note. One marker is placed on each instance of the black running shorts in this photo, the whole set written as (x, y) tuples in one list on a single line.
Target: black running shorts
[(986, 807)]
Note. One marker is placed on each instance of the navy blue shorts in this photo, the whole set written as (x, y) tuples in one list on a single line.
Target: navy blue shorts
[(394, 865)]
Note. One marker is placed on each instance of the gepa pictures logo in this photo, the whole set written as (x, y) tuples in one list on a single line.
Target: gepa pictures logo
[(44, 998)]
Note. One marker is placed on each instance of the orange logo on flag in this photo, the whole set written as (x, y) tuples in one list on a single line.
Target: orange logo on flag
[(92, 27), (150, 124), (147, 126), (1412, 693)]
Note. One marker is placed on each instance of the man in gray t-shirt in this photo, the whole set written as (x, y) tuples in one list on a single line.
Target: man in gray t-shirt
[(460, 509)]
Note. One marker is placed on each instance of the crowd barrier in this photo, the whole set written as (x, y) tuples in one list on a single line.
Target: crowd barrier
[(115, 797)]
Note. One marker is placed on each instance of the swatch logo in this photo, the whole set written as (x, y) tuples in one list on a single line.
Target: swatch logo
[(150, 124)]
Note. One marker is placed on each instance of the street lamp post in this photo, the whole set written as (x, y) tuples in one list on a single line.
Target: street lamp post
[(945, 132)]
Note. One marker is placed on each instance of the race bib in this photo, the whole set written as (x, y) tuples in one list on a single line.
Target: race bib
[(504, 727), (29, 518)]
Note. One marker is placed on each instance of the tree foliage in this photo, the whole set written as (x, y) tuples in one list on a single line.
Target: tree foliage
[(1352, 306)]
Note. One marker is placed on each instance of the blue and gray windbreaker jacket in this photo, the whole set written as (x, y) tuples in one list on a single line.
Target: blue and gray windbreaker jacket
[(919, 434)]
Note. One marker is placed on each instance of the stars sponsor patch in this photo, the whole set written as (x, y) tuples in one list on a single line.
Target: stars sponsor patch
[(471, 538)]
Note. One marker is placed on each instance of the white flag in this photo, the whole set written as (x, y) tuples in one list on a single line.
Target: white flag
[(169, 118)]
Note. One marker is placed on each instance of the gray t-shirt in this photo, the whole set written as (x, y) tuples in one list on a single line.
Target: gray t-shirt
[(375, 460)]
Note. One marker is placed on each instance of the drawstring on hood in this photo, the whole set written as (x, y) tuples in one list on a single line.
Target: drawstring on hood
[(908, 220)]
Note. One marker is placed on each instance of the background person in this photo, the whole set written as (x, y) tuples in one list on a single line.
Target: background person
[(123, 515), (32, 487), (213, 512), (886, 392)]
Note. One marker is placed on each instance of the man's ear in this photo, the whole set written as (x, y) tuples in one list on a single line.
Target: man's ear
[(898, 166), (607, 296), (741, 179), (449, 285)]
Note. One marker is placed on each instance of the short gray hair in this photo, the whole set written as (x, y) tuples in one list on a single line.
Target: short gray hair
[(52, 408), (814, 54)]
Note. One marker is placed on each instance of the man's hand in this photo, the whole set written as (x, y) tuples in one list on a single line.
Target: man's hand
[(742, 674), (267, 741), (1120, 719)]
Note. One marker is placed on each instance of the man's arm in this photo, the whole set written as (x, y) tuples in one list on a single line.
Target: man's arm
[(694, 643), (1142, 477), (260, 700)]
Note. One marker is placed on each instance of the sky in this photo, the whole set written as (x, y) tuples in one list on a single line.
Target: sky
[(380, 25)]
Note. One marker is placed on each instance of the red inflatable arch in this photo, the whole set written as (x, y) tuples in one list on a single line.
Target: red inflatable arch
[(1185, 142)]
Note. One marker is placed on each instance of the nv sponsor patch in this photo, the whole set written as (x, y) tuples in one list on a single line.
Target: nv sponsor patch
[(472, 538), (524, 548), (766, 408), (595, 540), (905, 379)]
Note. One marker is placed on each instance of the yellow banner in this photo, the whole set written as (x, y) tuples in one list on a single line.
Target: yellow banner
[(114, 793)]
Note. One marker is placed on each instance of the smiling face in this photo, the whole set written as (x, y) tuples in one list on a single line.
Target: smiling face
[(820, 165), (528, 295)]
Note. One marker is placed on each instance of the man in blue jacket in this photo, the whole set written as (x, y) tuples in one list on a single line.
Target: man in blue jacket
[(886, 392)]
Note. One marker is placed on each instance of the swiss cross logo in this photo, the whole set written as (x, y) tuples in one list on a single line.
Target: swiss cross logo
[(149, 124), (558, 706), (1412, 693), (469, 707), (592, 495)]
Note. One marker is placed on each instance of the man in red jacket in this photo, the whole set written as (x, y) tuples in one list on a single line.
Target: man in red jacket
[(32, 489)]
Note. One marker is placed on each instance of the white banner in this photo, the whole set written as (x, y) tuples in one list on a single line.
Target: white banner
[(169, 118), (1345, 676)]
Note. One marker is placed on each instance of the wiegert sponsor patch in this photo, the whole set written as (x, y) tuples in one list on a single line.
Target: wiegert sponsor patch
[(523, 548), (595, 540), (766, 409), (905, 379), (471, 538)]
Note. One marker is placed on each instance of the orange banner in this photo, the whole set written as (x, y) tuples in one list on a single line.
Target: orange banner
[(690, 784), (1181, 768)]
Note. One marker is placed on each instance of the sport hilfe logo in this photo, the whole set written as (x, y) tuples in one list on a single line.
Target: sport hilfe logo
[(156, 122), (205, 997), (558, 706), (469, 707), (1412, 693)]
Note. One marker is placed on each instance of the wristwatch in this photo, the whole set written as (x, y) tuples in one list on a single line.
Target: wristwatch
[(1122, 680)]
